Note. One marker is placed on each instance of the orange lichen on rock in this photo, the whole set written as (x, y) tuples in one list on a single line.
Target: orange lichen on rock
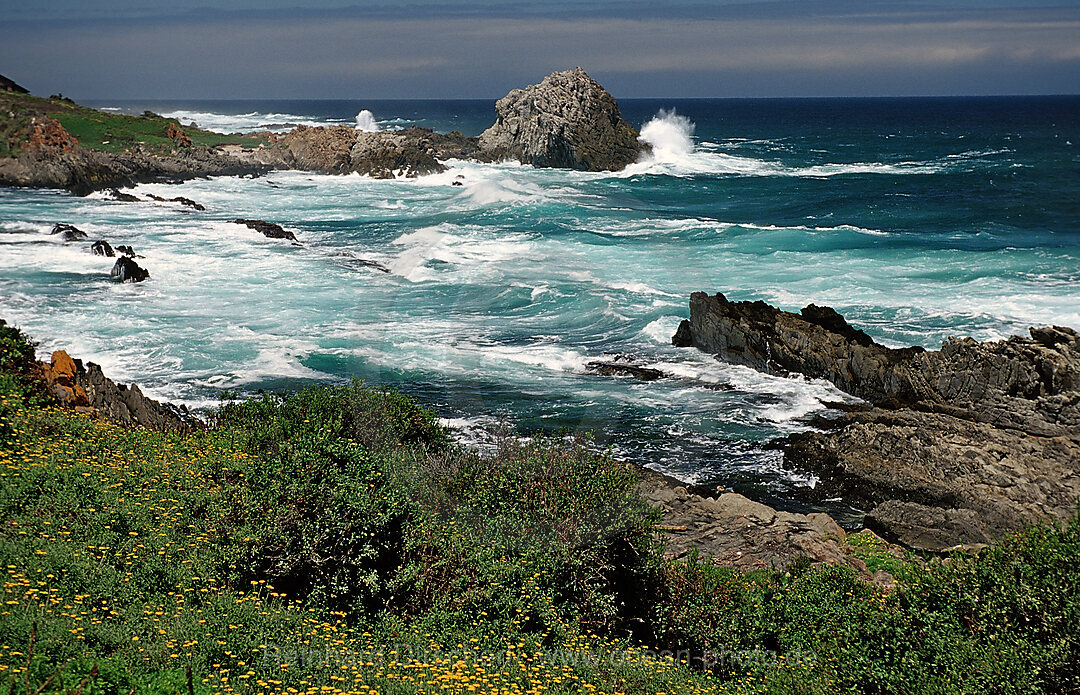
[(47, 132)]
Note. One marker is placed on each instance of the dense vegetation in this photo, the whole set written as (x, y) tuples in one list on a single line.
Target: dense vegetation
[(338, 540), (98, 130)]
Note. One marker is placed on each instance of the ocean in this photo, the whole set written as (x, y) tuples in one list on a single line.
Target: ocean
[(917, 219)]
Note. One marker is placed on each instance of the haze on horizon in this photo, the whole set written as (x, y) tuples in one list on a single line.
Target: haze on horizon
[(266, 49)]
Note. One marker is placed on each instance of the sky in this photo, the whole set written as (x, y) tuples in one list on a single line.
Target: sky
[(350, 49)]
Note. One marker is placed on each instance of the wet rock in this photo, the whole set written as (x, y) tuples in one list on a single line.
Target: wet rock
[(620, 365), (68, 232), (102, 248), (179, 199), (122, 197), (127, 251), (267, 229), (963, 444), (127, 270), (567, 120)]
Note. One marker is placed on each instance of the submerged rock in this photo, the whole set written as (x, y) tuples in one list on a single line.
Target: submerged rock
[(962, 444), (267, 229), (127, 270), (567, 120)]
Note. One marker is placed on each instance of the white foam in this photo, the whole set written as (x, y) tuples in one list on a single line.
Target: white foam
[(365, 121)]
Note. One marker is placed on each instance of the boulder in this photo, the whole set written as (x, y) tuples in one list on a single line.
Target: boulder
[(959, 445), (567, 120), (127, 270), (267, 229), (102, 248), (127, 251), (68, 232), (60, 376)]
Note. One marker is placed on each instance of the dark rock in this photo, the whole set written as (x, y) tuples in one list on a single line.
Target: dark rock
[(179, 199), (267, 229), (127, 251), (456, 183), (102, 248), (68, 232), (964, 443), (623, 366), (122, 197), (127, 270), (568, 120)]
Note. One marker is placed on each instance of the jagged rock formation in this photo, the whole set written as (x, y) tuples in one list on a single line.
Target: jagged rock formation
[(87, 389), (962, 443), (568, 120)]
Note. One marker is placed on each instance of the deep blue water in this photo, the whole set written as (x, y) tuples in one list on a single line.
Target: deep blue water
[(916, 218)]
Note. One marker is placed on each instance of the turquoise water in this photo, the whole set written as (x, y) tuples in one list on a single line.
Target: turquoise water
[(917, 219)]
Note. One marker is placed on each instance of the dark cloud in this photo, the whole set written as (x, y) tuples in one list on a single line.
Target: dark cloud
[(427, 49)]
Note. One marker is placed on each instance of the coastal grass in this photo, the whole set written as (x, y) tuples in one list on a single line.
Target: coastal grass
[(339, 540), (100, 130)]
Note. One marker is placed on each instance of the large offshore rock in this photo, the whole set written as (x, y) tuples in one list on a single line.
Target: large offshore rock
[(963, 443), (568, 120)]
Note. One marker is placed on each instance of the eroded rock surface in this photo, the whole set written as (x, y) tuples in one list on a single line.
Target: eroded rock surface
[(737, 532), (962, 443), (567, 120)]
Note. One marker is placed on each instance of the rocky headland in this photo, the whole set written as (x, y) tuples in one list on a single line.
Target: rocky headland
[(955, 446), (567, 120)]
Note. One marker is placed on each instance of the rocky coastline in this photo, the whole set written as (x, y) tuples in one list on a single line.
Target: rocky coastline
[(567, 120), (954, 447)]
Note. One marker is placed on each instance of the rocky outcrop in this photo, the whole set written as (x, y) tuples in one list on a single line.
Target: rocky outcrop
[(960, 444), (267, 229), (568, 120), (734, 531), (86, 389), (127, 405), (127, 270), (383, 154), (51, 160)]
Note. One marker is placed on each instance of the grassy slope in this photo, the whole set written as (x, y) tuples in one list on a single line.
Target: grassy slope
[(98, 130), (297, 540)]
